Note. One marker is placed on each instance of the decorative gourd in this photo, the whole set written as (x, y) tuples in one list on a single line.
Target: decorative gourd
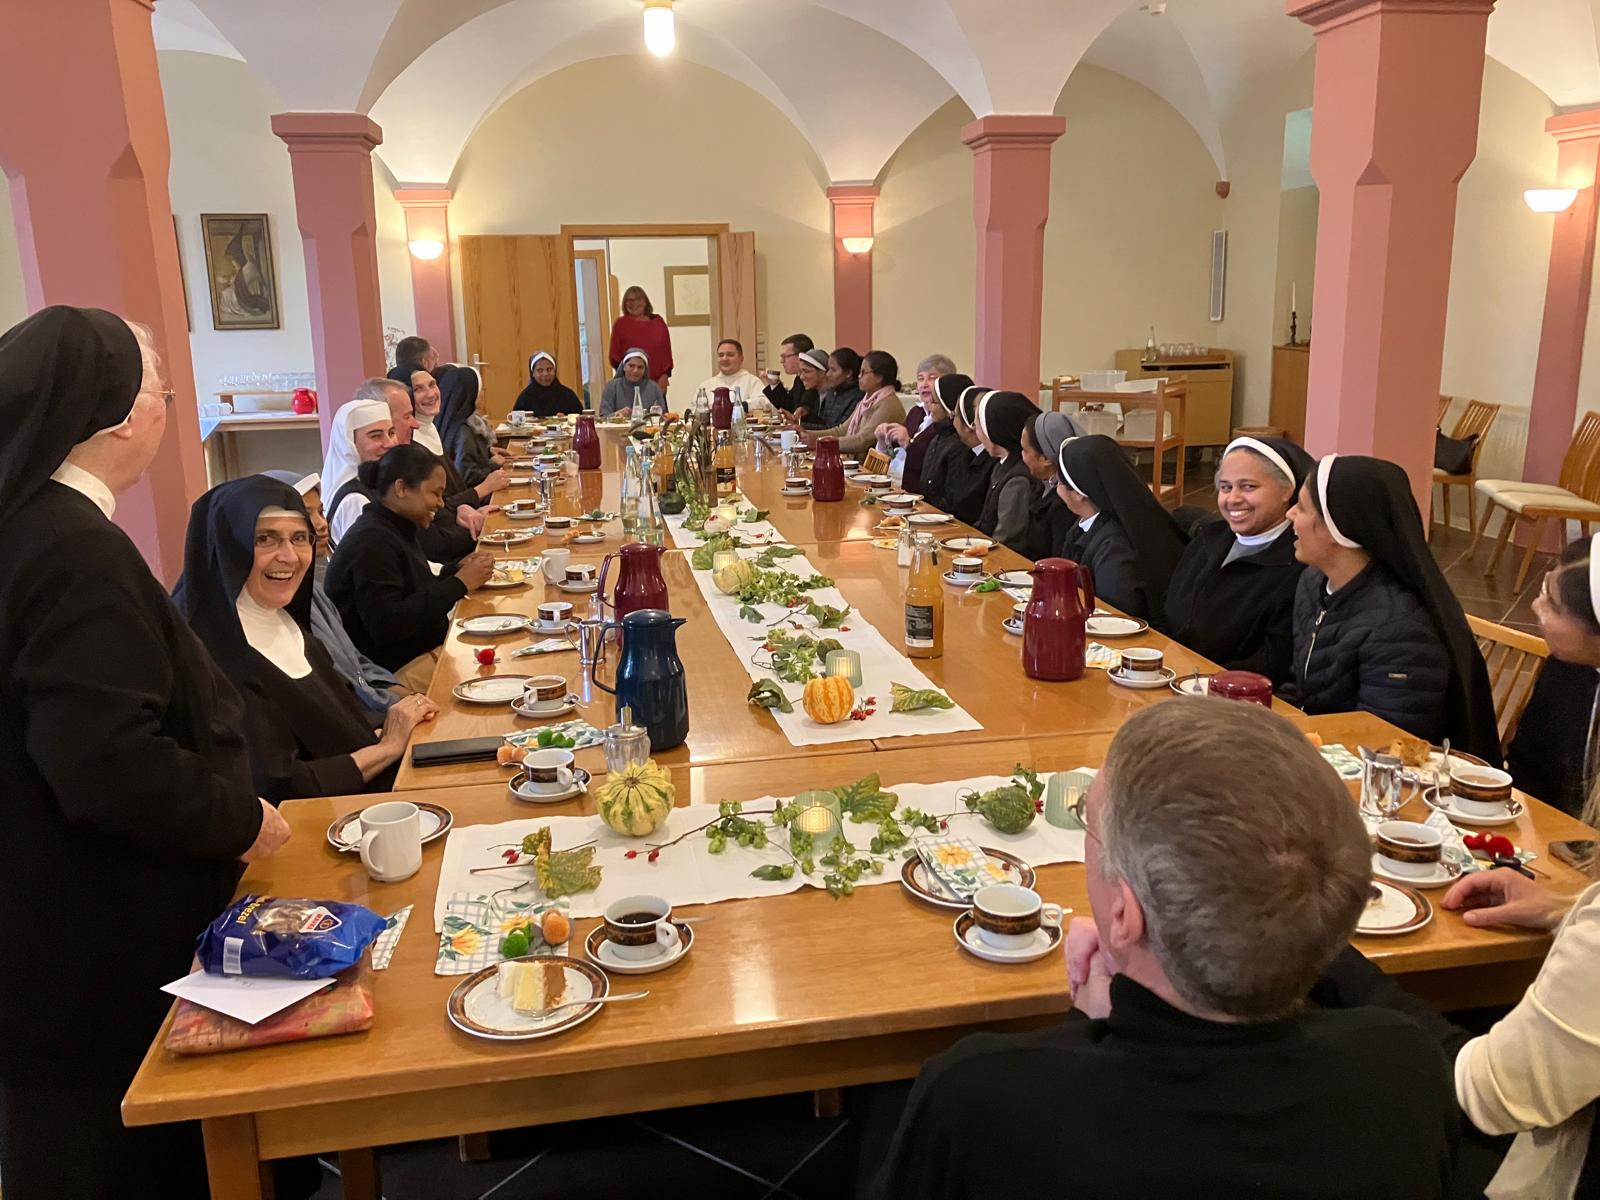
[(635, 802), (716, 525), (734, 577), (671, 503), (1009, 809), (829, 699)]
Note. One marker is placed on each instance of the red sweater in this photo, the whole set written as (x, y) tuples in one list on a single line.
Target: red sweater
[(643, 333)]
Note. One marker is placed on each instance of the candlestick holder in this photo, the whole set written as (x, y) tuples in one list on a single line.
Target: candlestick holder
[(1294, 328)]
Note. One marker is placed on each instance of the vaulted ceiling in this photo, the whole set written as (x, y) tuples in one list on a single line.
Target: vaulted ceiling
[(854, 76)]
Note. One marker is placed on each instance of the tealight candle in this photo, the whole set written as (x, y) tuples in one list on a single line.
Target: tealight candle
[(818, 818), (728, 513), (846, 663), (724, 558)]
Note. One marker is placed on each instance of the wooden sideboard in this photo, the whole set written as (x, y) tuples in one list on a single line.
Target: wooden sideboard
[(1290, 367), (1209, 418)]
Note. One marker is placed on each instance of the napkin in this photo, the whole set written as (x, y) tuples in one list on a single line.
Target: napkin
[(1103, 657), (579, 729), (385, 944), (546, 646)]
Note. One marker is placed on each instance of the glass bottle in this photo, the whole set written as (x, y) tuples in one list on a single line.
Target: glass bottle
[(1151, 354), (633, 484), (924, 625), (727, 475), (906, 547)]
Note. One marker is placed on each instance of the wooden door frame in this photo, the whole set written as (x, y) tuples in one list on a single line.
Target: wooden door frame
[(708, 229), (606, 283)]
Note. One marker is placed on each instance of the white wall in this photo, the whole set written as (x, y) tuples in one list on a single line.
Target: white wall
[(13, 307), (1297, 261), (394, 256)]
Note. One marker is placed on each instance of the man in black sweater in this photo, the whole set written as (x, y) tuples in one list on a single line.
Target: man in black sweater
[(1226, 865)]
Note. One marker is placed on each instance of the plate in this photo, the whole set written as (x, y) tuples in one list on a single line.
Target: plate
[(587, 539), (1016, 579), (796, 491), (1436, 768), (580, 785), (507, 537), (568, 585), (492, 625), (1196, 684), (491, 689), (475, 1006), (901, 499), (1442, 874), (1107, 626), (499, 580), (1446, 803), (531, 513), (1398, 909), (968, 545), (436, 822), (1012, 625), (601, 519), (598, 947), (1045, 940), (962, 581), (519, 480), (929, 518), (1122, 680), (872, 481), (567, 705), (914, 878), (522, 464)]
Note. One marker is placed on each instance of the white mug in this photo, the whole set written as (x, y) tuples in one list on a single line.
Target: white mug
[(391, 840), (788, 439), (555, 563)]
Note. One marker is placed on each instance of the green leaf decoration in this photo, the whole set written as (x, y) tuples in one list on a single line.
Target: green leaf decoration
[(988, 585), (865, 800), (827, 616), (751, 613), (766, 694), (774, 872), (907, 699), (751, 515), (772, 554), (566, 872)]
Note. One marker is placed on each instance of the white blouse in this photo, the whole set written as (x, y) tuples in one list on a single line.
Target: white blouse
[(274, 635)]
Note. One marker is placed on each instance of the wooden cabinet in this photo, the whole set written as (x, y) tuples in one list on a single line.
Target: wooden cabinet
[(1291, 366), (1209, 419)]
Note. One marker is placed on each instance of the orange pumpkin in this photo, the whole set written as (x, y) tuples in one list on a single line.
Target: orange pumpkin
[(829, 699)]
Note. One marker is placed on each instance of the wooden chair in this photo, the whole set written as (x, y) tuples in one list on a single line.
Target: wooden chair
[(1475, 421), (1514, 660), (1575, 498), (875, 462), (1169, 404), (1444, 407)]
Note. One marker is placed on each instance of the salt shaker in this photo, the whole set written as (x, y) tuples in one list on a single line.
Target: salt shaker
[(626, 744)]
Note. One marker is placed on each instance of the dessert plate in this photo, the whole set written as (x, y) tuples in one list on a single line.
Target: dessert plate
[(475, 1007)]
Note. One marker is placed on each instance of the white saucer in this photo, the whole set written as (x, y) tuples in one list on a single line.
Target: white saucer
[(508, 537), (580, 785), (1016, 579), (531, 513), (1397, 910), (1447, 805), (1196, 684), (539, 626), (926, 518), (967, 545), (1104, 625), (587, 539), (600, 950), (1439, 877), (519, 481), (1012, 625), (1045, 941), (955, 580), (492, 625), (1165, 678), (797, 491), (567, 705), (567, 585)]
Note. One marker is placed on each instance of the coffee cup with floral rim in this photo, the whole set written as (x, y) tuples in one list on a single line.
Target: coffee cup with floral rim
[(1409, 849), (640, 928), (1008, 915), (1480, 791)]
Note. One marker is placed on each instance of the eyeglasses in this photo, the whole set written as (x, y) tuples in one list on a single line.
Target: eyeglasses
[(299, 540)]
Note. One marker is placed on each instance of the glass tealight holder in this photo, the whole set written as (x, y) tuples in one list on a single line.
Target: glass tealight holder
[(728, 513), (846, 663), (724, 558), (819, 818)]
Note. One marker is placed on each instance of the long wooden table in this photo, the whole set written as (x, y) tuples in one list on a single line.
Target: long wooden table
[(779, 995)]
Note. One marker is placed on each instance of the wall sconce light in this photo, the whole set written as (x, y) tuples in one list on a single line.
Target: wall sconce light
[(1550, 200), (427, 250), (659, 35), (857, 245)]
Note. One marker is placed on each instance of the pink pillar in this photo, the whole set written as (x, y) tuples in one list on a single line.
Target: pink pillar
[(1566, 298), (1394, 127), (852, 273), (331, 155), (86, 154), (1010, 203), (428, 220)]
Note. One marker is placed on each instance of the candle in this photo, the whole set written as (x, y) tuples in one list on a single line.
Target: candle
[(728, 513), (846, 663), (1294, 304), (724, 558), (817, 824)]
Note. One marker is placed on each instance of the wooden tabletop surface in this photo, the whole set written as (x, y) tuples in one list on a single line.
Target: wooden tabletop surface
[(801, 969)]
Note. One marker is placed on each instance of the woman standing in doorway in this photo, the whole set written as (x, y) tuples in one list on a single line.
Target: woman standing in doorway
[(640, 328)]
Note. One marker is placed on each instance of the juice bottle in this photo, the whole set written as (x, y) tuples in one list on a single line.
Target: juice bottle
[(924, 602), (727, 476)]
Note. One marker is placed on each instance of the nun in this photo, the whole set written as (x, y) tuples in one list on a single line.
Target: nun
[(1006, 504), (631, 388), (127, 783), (1130, 544), (246, 592), (467, 439), (1049, 520), (811, 376), (362, 431), (545, 395), (1231, 597), (925, 473), (967, 467), (1376, 627)]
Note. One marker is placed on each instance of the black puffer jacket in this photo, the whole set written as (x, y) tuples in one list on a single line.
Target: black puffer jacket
[(1369, 647)]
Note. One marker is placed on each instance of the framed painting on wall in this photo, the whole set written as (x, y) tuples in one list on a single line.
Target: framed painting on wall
[(688, 291), (244, 286)]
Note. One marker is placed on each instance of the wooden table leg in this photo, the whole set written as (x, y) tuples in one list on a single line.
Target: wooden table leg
[(235, 1170), (473, 1147), (358, 1172), (827, 1103)]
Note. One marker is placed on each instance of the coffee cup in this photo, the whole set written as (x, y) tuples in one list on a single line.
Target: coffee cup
[(1409, 849), (557, 523), (1008, 915), (555, 562), (1143, 662), (1019, 610), (1480, 791), (789, 439), (548, 771), (640, 927), (580, 572), (391, 840), (555, 613), (797, 483), (517, 417), (965, 566), (544, 693)]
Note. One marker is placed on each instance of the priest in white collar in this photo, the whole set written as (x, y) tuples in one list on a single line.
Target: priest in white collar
[(743, 387)]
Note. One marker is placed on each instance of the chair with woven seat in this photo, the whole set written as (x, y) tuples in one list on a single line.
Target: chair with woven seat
[(1475, 422), (1575, 498), (1514, 660)]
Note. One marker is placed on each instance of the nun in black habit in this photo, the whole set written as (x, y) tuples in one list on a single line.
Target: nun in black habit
[(1376, 627), (1009, 497), (1049, 519), (466, 445), (247, 592), (545, 395), (127, 788), (1232, 595), (966, 465), (1122, 534)]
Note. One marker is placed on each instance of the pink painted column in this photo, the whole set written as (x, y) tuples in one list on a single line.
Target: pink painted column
[(852, 273), (1010, 203), (331, 156), (86, 154), (1554, 410), (428, 220), (1394, 127)]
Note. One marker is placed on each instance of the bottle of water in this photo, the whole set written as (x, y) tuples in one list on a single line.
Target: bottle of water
[(633, 484), (741, 432)]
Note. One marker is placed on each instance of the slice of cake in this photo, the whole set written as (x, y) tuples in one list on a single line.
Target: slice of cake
[(530, 987)]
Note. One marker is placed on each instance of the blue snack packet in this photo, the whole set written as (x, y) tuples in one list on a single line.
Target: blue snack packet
[(287, 939)]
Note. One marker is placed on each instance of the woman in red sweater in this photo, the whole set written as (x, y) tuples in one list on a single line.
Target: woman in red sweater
[(640, 328)]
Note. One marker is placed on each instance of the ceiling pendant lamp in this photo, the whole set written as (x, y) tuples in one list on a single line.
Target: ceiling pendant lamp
[(659, 35)]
